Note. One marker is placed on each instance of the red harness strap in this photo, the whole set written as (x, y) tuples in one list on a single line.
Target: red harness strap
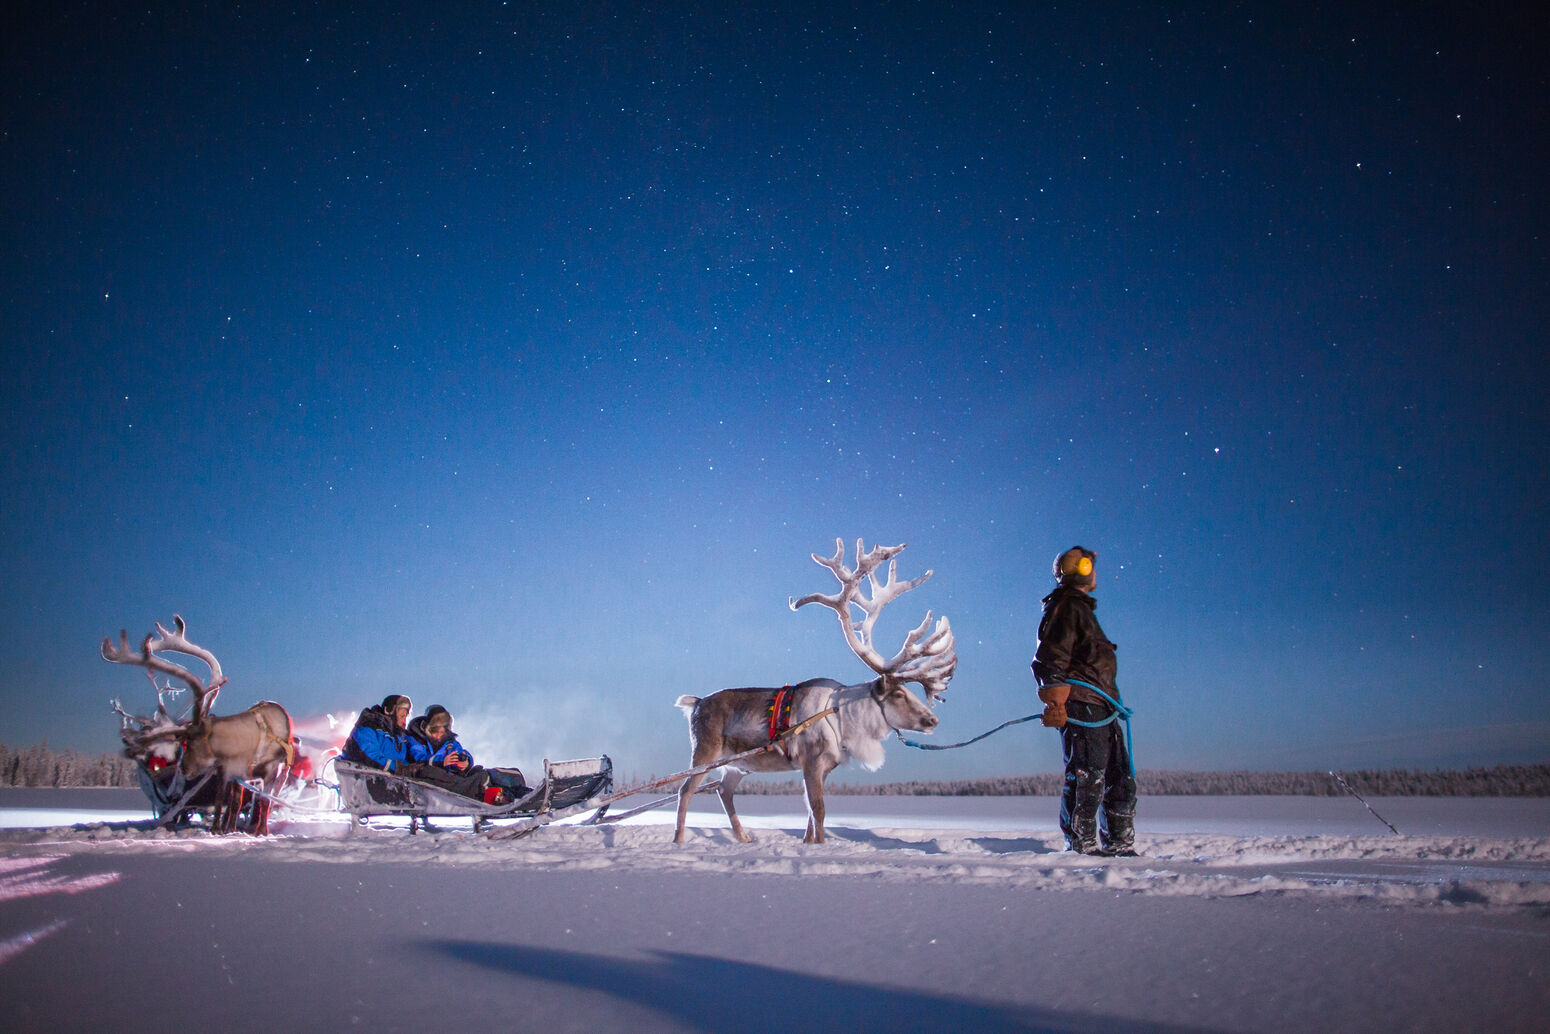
[(778, 713)]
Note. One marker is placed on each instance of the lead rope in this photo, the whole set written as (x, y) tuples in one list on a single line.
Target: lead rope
[(1121, 712), (965, 743)]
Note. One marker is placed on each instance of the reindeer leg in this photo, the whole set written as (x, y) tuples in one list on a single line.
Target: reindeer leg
[(270, 778), (729, 781), (685, 793), (235, 822), (260, 812), (814, 773)]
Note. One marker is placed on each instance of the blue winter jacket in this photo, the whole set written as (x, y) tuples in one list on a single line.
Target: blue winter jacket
[(377, 741), (422, 749)]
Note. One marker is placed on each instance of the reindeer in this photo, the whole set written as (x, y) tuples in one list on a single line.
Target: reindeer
[(255, 743), (735, 721)]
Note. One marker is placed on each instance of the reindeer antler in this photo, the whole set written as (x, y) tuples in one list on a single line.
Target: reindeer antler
[(162, 718), (204, 695), (928, 659)]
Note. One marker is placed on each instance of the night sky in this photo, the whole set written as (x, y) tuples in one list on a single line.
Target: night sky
[(517, 356)]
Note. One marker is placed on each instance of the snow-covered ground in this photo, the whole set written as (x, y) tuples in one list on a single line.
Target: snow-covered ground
[(1282, 913)]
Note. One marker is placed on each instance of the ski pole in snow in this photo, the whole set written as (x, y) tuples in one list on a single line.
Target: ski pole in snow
[(1347, 788)]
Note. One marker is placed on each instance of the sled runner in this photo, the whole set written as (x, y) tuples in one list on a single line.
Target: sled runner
[(566, 785)]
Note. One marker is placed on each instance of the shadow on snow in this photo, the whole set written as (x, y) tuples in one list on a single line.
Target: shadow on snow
[(704, 993)]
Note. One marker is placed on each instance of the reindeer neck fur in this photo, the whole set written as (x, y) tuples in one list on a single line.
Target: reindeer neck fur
[(863, 728)]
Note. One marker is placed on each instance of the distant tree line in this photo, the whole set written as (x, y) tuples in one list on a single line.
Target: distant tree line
[(1501, 781), (42, 766)]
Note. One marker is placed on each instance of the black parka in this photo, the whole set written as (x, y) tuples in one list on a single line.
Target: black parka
[(1072, 646)]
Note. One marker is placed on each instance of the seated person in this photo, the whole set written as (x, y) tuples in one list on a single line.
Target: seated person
[(380, 739), (433, 743)]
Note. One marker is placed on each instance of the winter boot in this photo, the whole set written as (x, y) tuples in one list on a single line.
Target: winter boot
[(1119, 834), (1083, 835), (1079, 811)]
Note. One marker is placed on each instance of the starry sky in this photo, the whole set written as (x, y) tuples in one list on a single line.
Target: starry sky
[(517, 356)]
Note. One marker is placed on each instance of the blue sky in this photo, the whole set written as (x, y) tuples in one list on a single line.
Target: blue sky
[(518, 357)]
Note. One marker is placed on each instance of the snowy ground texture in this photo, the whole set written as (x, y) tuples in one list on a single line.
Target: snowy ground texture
[(1244, 914)]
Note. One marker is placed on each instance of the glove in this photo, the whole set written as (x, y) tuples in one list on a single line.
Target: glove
[(1054, 697)]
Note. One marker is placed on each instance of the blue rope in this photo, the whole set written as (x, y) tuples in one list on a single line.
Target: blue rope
[(965, 743), (1121, 712)]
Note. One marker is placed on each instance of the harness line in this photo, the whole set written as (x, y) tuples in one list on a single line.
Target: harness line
[(529, 825)]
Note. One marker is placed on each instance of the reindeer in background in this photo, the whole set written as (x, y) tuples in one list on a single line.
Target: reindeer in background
[(256, 743), (735, 721)]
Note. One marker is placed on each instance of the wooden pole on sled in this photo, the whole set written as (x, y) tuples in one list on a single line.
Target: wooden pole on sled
[(537, 822), (714, 784), (172, 814)]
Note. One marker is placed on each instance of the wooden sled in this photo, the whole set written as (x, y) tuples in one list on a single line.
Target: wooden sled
[(365, 791)]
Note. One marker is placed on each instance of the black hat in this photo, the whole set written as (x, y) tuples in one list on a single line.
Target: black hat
[(437, 715), (393, 701)]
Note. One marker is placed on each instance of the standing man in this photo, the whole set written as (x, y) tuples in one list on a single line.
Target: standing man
[(1076, 665)]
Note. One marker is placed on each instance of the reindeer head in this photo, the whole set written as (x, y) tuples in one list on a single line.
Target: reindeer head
[(902, 709), (160, 735), (157, 736)]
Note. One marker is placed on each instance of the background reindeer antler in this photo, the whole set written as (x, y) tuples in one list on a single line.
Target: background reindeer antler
[(146, 657)]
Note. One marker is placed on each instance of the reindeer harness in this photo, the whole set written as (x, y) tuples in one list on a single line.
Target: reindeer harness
[(838, 715), (269, 737), (778, 714)]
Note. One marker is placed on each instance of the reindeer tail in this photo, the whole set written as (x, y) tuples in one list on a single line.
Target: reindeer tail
[(686, 704)]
